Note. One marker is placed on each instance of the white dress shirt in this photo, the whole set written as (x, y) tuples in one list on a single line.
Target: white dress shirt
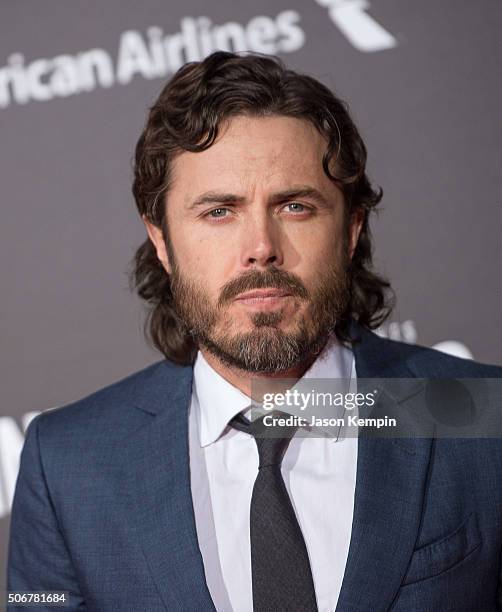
[(319, 474)]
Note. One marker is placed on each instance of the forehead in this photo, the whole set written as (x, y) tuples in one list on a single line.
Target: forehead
[(254, 152)]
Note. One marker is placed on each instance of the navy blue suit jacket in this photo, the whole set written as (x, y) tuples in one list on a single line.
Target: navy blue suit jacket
[(103, 506)]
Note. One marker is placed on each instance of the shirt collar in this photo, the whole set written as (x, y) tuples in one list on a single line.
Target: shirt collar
[(218, 401)]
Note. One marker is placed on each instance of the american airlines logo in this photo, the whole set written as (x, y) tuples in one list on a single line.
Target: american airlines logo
[(362, 30), (151, 55), (155, 54)]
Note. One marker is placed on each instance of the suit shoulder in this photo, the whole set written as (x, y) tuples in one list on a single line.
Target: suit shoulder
[(427, 362), (111, 408), (391, 358)]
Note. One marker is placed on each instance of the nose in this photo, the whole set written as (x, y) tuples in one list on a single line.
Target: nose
[(261, 242)]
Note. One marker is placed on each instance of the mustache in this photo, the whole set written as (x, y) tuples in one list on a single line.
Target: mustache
[(270, 278)]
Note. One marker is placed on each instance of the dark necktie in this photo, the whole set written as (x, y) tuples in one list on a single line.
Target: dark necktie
[(281, 574)]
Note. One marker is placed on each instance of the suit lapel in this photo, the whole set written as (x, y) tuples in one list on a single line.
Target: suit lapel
[(390, 486), (157, 486)]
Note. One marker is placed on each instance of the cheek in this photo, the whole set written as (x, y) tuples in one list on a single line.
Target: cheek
[(206, 267), (196, 243), (321, 252)]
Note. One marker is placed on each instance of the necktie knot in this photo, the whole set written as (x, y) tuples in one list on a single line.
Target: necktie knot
[(271, 440)]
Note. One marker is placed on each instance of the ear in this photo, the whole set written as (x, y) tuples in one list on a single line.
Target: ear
[(157, 239), (355, 225)]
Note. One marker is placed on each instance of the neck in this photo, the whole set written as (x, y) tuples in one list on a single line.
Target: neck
[(242, 379)]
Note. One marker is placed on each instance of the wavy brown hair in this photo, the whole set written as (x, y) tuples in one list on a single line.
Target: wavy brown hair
[(186, 117)]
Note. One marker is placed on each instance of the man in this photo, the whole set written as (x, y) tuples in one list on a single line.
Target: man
[(157, 493)]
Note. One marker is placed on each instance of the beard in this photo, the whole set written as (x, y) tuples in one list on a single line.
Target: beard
[(266, 348)]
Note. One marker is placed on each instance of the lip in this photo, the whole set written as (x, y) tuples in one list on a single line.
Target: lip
[(258, 294)]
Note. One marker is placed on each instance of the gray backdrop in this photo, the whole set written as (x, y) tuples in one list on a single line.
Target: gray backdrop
[(76, 78)]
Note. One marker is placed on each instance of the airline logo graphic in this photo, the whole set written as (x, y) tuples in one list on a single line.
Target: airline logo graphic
[(359, 27), (155, 54)]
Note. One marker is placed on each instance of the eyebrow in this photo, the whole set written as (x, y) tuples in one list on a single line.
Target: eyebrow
[(214, 197)]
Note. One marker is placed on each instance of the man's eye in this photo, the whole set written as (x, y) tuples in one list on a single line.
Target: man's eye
[(296, 207), (218, 213)]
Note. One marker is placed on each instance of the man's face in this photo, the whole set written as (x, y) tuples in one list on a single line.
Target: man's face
[(258, 244)]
